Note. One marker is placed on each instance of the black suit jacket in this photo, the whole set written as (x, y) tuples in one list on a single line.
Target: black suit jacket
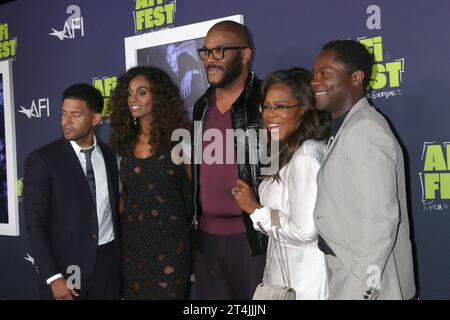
[(59, 209)]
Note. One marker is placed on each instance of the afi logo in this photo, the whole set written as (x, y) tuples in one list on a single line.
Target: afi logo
[(37, 108), (73, 23)]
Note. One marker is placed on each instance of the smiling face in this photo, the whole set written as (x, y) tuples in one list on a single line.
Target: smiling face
[(333, 84), (140, 98), (281, 123)]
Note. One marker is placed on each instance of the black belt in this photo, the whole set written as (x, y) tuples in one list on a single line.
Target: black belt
[(324, 247)]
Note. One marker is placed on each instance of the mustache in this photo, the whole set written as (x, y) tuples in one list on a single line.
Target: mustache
[(212, 65)]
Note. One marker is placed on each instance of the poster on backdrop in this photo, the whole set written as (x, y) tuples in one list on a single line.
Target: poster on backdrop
[(175, 51), (9, 214)]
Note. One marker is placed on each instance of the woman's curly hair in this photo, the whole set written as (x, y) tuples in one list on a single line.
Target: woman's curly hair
[(314, 124), (168, 112)]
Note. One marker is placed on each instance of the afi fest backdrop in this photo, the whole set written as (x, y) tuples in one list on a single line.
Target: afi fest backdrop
[(54, 43)]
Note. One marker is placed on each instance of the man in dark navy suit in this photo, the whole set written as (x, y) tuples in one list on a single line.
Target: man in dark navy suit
[(70, 198)]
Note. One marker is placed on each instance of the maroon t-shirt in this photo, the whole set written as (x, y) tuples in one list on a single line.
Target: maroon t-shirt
[(221, 215)]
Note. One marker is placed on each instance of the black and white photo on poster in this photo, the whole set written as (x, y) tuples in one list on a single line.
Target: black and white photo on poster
[(175, 51), (9, 224)]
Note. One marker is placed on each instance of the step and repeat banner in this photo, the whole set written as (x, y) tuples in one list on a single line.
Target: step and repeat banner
[(47, 45)]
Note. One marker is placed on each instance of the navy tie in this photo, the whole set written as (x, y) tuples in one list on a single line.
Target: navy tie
[(90, 172)]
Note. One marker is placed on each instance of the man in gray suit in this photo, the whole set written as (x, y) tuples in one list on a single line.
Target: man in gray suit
[(361, 211)]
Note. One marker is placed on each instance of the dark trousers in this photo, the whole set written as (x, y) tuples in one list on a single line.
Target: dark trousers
[(225, 268), (104, 283)]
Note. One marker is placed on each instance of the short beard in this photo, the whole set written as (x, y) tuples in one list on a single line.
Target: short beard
[(233, 72)]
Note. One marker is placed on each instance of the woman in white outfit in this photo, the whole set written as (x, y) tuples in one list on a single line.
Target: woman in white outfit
[(287, 198)]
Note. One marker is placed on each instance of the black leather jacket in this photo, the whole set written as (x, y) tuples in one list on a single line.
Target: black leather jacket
[(245, 115)]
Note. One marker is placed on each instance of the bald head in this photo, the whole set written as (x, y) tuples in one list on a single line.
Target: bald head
[(236, 30), (230, 65)]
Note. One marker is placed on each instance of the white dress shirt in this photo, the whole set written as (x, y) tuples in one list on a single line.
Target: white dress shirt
[(104, 214), (294, 198)]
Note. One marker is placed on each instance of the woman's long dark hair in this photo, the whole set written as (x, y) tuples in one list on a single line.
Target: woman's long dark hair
[(168, 112), (314, 124)]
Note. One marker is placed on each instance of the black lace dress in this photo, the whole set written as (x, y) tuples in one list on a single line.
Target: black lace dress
[(156, 245)]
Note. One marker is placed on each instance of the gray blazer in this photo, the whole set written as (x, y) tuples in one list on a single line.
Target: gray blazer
[(361, 210)]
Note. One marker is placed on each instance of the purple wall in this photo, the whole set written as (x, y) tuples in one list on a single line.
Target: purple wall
[(286, 33)]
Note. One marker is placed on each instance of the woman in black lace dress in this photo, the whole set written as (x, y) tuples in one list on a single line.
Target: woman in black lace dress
[(155, 216)]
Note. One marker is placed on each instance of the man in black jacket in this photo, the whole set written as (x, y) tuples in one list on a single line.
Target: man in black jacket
[(70, 195), (231, 254)]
